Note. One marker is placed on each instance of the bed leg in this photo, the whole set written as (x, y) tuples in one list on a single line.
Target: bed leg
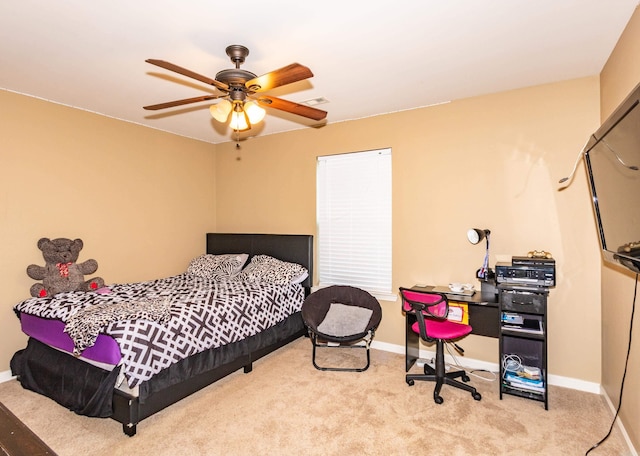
[(129, 429), (248, 368)]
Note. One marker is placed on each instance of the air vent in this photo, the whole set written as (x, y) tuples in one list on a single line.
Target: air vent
[(315, 101)]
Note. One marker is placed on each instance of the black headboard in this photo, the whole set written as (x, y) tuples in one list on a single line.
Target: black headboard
[(294, 248)]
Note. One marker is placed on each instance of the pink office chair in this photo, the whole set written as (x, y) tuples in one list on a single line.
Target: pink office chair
[(430, 310)]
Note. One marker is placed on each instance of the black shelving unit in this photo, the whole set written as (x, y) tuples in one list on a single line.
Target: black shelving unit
[(523, 342)]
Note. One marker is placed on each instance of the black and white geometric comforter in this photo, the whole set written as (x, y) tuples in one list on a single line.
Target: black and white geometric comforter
[(204, 314)]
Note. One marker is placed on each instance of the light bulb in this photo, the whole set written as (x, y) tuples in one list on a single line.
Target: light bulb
[(255, 112), (238, 121), (220, 111)]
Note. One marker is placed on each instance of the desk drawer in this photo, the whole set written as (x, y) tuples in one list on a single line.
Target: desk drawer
[(523, 301)]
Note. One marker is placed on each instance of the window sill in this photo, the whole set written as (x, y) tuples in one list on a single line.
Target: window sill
[(382, 296)]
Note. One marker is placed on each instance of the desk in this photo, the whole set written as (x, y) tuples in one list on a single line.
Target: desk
[(484, 318)]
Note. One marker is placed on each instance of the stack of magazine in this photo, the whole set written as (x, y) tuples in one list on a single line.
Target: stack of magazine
[(525, 379)]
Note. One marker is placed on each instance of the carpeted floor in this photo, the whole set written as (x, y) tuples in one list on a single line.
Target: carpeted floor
[(286, 407)]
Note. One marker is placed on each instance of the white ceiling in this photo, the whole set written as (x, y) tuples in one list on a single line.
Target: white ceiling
[(368, 58)]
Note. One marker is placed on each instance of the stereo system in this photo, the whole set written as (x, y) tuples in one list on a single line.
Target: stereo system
[(539, 272)]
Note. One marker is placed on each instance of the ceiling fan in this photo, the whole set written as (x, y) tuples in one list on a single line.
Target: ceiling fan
[(242, 91)]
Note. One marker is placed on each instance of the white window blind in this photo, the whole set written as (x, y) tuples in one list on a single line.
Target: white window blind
[(354, 220)]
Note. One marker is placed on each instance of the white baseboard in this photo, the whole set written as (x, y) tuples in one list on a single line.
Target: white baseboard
[(471, 364), (5, 376), (632, 450), (557, 380)]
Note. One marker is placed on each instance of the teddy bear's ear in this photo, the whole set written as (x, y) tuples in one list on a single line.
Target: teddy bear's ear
[(42, 242), (78, 243)]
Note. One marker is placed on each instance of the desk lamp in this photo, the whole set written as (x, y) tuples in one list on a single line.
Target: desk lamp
[(476, 235)]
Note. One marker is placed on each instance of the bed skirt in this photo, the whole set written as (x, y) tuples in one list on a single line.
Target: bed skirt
[(77, 385), (89, 390)]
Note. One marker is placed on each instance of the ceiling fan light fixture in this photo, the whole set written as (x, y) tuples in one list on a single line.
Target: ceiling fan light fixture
[(220, 111), (254, 112), (239, 121), (236, 86)]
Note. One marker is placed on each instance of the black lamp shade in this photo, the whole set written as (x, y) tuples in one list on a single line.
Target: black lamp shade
[(476, 235)]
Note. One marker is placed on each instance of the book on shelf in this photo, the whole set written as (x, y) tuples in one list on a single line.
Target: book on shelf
[(525, 388), (529, 325), (521, 378), (531, 371), (520, 382)]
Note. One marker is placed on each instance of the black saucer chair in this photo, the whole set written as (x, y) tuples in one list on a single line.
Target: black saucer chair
[(431, 310), (341, 316)]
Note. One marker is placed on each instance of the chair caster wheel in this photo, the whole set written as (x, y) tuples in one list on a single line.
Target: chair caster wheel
[(465, 378), (410, 382), (438, 399), (477, 396)]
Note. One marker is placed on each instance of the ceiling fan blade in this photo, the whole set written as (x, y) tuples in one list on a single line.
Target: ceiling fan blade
[(286, 75), (294, 108), (171, 104), (189, 73)]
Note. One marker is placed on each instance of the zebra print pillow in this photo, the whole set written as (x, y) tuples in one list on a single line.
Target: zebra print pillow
[(217, 267), (266, 269)]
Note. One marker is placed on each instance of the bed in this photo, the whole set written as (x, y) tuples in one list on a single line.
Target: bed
[(105, 377)]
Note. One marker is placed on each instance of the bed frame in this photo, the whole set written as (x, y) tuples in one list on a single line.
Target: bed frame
[(130, 410), (202, 369)]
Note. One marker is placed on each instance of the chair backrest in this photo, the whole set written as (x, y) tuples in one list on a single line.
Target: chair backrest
[(426, 305), (431, 304)]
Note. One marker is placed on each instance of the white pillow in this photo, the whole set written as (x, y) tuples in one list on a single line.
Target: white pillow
[(266, 269), (218, 267)]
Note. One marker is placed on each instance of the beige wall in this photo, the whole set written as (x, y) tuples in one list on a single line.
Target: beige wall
[(620, 75), (140, 199), (488, 162)]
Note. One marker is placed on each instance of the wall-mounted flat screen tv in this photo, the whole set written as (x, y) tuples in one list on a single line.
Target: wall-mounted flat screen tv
[(612, 155)]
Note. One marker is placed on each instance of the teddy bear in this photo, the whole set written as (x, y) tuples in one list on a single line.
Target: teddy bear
[(61, 273)]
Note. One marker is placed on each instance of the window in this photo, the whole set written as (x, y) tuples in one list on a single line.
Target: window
[(354, 220)]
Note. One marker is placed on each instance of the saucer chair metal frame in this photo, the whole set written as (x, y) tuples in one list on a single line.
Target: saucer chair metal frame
[(315, 309)]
